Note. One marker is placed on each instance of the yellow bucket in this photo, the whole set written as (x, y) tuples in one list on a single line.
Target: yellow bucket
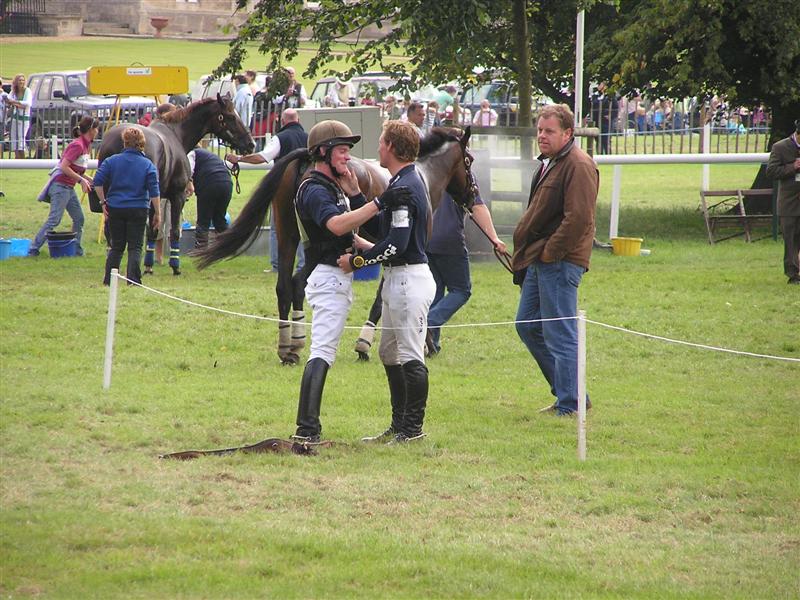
[(624, 246)]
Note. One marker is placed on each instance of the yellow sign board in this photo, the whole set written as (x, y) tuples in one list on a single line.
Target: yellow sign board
[(137, 80)]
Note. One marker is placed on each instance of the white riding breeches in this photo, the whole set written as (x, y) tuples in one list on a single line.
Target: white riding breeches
[(329, 292), (408, 292)]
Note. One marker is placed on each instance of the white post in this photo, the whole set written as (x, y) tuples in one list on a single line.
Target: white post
[(613, 227), (706, 150), (54, 146), (581, 385), (579, 69), (112, 317)]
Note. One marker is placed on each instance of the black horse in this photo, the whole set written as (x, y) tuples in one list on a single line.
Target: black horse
[(444, 163), (167, 142)]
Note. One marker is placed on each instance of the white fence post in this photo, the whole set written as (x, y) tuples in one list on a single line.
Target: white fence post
[(54, 146), (616, 186), (706, 150), (581, 385), (112, 317)]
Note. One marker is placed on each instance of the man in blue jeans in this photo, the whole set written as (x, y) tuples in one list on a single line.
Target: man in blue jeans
[(448, 260), (552, 247)]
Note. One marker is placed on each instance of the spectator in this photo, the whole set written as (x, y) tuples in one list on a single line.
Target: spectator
[(291, 137), (416, 115), (73, 164), (448, 259), (431, 119), (243, 100), (552, 247), (211, 183), (251, 81), (3, 111), (341, 94), (784, 167), (391, 111), (294, 96), (486, 115), (19, 100), (604, 109), (132, 181)]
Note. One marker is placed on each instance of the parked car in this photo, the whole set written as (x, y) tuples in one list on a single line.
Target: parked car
[(61, 98), (377, 84), (208, 86)]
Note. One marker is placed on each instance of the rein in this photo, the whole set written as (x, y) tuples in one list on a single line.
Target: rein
[(234, 171), (503, 257)]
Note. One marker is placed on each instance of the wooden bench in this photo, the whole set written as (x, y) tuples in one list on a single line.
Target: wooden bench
[(730, 213)]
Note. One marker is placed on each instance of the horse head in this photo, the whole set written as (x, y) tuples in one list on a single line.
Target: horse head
[(463, 187), (228, 127)]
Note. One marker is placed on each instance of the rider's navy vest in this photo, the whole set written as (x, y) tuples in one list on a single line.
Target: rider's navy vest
[(209, 169)]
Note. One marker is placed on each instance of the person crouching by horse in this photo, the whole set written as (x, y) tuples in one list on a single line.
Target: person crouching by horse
[(211, 182), (408, 287), (329, 207), (73, 165), (132, 181)]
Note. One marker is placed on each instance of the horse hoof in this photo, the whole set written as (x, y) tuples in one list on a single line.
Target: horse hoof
[(175, 271), (148, 271), (290, 359), (362, 356)]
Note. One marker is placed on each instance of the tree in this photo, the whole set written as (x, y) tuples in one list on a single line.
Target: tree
[(749, 51), (443, 40)]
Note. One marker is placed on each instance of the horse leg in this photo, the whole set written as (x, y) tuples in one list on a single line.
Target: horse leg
[(298, 314), (283, 289), (176, 208), (150, 250), (367, 334)]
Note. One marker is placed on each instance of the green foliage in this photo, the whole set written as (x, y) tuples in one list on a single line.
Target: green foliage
[(749, 51)]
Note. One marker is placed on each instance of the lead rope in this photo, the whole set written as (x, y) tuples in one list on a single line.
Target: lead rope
[(503, 257), (234, 169)]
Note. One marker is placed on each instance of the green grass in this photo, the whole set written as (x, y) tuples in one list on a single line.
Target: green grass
[(690, 490)]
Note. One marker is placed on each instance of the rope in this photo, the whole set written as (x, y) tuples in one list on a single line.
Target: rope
[(234, 169), (465, 325)]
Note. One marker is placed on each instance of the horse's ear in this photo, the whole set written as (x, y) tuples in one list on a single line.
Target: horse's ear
[(465, 137), (220, 100)]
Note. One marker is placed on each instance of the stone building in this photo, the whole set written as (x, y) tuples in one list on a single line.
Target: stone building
[(185, 18)]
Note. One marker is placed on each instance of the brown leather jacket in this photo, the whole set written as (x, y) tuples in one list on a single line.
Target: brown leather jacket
[(560, 213), (781, 168)]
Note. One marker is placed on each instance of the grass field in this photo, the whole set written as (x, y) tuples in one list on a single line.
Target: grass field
[(690, 489)]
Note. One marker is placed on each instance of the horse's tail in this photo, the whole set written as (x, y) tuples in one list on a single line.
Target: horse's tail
[(244, 230)]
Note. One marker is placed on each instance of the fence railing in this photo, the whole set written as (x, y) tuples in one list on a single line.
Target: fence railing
[(21, 17)]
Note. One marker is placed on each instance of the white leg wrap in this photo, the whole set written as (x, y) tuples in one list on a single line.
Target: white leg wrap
[(298, 330), (284, 339), (365, 337)]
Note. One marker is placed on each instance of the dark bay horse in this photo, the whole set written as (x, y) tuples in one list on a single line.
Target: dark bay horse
[(444, 164), (167, 142)]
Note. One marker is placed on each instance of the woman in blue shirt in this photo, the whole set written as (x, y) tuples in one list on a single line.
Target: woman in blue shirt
[(128, 183)]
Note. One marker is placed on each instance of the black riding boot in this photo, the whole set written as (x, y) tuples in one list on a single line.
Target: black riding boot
[(308, 425), (200, 237), (397, 394), (416, 376)]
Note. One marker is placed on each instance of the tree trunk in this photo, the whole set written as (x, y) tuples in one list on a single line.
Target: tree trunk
[(784, 114), (524, 90)]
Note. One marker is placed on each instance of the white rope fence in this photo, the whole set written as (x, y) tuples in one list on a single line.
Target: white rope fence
[(581, 318)]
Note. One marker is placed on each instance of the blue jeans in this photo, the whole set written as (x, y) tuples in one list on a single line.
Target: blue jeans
[(450, 271), (273, 248), (550, 290), (62, 198)]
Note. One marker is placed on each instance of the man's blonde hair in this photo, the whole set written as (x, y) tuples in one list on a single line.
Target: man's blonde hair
[(133, 138), (561, 112), (404, 139)]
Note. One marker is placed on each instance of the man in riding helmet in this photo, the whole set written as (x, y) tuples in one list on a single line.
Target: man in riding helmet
[(408, 287), (329, 208)]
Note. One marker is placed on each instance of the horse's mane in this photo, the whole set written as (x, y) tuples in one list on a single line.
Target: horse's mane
[(178, 115), (436, 138)]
